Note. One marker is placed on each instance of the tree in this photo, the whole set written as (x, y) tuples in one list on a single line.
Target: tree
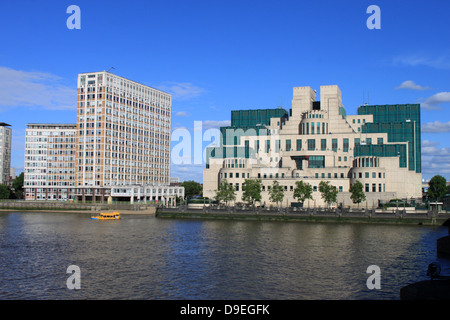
[(329, 192), (4, 192), (192, 188), (251, 190), (226, 192), (276, 193), (357, 191), (302, 191), (18, 182), (437, 187)]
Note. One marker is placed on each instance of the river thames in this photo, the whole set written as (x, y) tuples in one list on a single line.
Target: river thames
[(147, 258)]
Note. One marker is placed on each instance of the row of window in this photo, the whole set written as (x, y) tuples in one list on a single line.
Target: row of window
[(381, 175), (311, 144)]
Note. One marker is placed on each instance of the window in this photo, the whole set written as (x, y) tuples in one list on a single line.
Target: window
[(374, 187), (340, 189), (380, 140), (316, 162), (345, 145), (299, 144), (288, 145), (311, 144), (334, 145), (367, 175), (323, 144), (367, 187)]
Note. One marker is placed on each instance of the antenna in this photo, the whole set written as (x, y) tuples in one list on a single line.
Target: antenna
[(110, 69)]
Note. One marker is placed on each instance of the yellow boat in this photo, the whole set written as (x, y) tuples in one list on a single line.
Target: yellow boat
[(107, 216)]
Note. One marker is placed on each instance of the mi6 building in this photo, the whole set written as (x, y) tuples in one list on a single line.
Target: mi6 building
[(317, 141)]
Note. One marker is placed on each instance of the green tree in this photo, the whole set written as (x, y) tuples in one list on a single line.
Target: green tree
[(276, 193), (357, 191), (251, 190), (192, 188), (302, 191), (437, 187), (225, 192), (18, 182), (329, 192), (4, 192)]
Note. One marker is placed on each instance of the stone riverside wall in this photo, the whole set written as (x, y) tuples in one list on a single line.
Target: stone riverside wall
[(73, 206)]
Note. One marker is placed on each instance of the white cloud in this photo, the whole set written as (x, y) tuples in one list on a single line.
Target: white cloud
[(181, 114), (436, 127), (433, 102), (213, 124), (185, 173), (409, 84), (441, 62), (35, 89), (435, 160), (181, 91)]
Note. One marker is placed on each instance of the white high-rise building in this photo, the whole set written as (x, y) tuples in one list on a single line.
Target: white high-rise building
[(119, 148), (49, 169)]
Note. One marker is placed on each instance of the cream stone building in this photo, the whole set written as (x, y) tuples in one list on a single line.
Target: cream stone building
[(317, 141)]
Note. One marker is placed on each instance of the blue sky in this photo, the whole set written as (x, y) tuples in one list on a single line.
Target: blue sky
[(216, 56)]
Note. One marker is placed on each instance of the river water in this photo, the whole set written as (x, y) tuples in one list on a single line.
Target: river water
[(146, 258)]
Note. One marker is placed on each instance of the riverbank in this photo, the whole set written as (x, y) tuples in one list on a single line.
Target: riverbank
[(316, 216), (70, 207)]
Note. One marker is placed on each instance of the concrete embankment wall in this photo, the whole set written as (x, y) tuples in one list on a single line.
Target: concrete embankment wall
[(123, 208), (307, 216)]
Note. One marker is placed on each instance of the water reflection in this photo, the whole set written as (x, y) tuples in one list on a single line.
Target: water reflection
[(142, 257)]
